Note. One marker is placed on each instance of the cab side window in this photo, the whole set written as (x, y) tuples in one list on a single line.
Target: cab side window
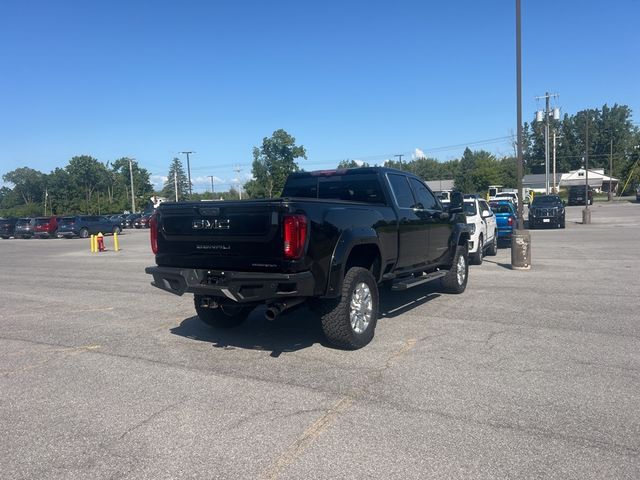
[(401, 190), (426, 200), (485, 206)]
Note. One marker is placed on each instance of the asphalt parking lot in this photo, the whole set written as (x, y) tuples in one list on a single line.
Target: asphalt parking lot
[(526, 375)]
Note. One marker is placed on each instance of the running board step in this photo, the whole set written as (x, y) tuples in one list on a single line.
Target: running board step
[(406, 283)]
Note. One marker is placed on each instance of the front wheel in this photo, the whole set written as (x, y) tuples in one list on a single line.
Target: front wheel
[(455, 281), (350, 321), (225, 316)]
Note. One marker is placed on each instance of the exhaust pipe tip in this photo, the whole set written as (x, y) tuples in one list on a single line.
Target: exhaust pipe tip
[(272, 313)]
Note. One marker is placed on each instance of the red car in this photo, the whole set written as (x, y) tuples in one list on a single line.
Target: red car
[(46, 227), (142, 222)]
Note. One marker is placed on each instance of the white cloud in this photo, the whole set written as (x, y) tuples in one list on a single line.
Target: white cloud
[(158, 181), (417, 153), (359, 162), (205, 180)]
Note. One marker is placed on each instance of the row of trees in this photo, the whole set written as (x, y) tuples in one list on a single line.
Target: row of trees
[(611, 133), (86, 185)]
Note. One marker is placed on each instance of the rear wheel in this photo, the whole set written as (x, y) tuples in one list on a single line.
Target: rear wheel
[(227, 315), (117, 230), (493, 246), (455, 281), (476, 258), (84, 233), (350, 321)]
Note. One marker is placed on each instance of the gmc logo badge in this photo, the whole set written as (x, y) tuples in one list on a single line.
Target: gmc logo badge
[(216, 224)]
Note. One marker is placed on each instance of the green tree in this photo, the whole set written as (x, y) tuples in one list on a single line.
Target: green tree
[(486, 171), (121, 181), (352, 164), (176, 170), (28, 184), (462, 179), (86, 174), (272, 163)]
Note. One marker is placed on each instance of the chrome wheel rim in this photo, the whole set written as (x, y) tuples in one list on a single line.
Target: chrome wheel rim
[(461, 270), (361, 308)]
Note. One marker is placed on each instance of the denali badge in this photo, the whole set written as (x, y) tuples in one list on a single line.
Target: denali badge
[(216, 224), (213, 247)]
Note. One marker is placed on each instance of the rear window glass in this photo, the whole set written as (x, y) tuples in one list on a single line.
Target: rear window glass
[(354, 188), (501, 208), (23, 221), (42, 221), (66, 220)]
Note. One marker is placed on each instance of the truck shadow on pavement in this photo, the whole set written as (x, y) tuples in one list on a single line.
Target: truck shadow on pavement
[(293, 331)]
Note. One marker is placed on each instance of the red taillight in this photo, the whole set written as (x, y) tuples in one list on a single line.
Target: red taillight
[(153, 233), (295, 236), (510, 221)]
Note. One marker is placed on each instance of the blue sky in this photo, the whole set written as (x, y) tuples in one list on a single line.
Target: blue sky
[(357, 80)]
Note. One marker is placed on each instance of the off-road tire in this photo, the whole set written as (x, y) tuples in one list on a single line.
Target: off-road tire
[(493, 246), (221, 317), (450, 282), (476, 258), (335, 313)]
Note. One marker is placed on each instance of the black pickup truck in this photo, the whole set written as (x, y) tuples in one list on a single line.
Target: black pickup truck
[(330, 240)]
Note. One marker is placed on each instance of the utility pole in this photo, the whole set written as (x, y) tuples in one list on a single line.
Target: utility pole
[(555, 137), (238, 170), (175, 183), (547, 114), (46, 194), (586, 213), (610, 196), (133, 197), (400, 159), (188, 170), (212, 191)]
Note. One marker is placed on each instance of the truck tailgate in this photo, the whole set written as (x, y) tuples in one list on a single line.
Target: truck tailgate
[(222, 235)]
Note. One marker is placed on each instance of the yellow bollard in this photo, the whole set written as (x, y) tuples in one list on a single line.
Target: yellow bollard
[(93, 243), (116, 245)]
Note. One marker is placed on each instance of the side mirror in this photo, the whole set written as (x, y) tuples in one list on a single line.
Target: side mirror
[(455, 206), (486, 214)]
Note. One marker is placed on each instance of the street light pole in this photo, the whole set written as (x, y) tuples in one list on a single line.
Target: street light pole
[(189, 171), (520, 240)]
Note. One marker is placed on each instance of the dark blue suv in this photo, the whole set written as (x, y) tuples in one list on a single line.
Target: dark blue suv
[(84, 225)]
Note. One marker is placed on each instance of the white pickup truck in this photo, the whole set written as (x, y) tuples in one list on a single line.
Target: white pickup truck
[(484, 230)]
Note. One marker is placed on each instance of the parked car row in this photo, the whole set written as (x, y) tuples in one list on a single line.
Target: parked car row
[(56, 226)]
